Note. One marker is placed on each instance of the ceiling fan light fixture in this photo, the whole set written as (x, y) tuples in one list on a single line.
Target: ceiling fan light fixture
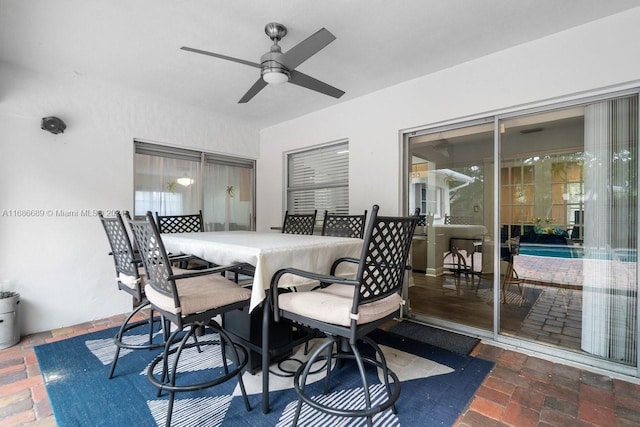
[(275, 76)]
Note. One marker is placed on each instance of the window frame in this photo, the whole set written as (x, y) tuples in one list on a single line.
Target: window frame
[(342, 147), (203, 158)]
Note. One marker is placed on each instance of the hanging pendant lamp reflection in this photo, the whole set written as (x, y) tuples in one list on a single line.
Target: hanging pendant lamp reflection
[(185, 181)]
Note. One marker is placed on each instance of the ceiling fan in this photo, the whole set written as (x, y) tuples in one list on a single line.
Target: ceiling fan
[(277, 67)]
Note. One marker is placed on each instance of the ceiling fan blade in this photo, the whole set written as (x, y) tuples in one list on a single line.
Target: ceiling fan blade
[(253, 91), (306, 48), (217, 55), (301, 79)]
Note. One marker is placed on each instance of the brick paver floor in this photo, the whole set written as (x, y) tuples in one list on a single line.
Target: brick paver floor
[(521, 390)]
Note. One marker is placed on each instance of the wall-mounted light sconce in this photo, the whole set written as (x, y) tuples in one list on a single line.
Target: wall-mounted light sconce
[(53, 124)]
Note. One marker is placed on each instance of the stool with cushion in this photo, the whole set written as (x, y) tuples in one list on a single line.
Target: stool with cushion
[(131, 279), (189, 300), (346, 310)]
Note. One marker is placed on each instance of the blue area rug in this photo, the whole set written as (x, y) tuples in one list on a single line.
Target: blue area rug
[(436, 387)]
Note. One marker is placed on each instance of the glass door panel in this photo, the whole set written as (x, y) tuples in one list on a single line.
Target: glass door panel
[(228, 197), (451, 182), (568, 218)]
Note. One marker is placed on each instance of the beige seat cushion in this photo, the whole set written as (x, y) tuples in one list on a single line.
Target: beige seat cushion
[(333, 305), (131, 281), (198, 294)]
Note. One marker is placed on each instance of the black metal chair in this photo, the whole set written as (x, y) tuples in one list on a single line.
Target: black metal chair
[(299, 223), (184, 224), (180, 223), (461, 258), (190, 300), (458, 219), (422, 219), (346, 310), (131, 279), (343, 225), (508, 250)]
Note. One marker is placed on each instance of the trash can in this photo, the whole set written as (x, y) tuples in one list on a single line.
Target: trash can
[(9, 324)]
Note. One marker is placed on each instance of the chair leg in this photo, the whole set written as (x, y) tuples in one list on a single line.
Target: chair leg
[(174, 367), (225, 338), (170, 409), (365, 383), (300, 377), (113, 362), (165, 361), (126, 326), (506, 280), (369, 410), (172, 374), (167, 380), (151, 321), (327, 379), (385, 368)]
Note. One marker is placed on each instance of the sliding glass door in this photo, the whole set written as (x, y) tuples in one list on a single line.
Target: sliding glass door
[(569, 221), (452, 257), (539, 248), (177, 181), (228, 196)]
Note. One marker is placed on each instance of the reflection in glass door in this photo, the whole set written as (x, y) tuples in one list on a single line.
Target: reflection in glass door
[(228, 196), (568, 218), (451, 182), (177, 181)]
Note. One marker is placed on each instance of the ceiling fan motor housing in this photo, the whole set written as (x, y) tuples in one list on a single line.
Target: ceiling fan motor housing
[(275, 31), (270, 62)]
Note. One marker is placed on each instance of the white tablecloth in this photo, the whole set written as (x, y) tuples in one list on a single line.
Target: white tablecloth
[(267, 252)]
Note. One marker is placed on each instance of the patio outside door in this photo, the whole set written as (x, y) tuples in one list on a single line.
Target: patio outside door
[(540, 249)]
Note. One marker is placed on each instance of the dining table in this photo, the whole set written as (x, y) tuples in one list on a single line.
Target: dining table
[(268, 252)]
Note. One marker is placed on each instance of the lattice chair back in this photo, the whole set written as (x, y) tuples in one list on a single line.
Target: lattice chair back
[(299, 223), (180, 223), (347, 315), (205, 295), (123, 254), (458, 219), (384, 258), (131, 280), (422, 219), (154, 257), (344, 225)]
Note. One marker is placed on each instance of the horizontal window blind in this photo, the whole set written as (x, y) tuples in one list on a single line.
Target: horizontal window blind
[(158, 150), (168, 152), (319, 179), (219, 159)]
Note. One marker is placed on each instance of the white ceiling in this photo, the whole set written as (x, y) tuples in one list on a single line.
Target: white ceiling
[(136, 43)]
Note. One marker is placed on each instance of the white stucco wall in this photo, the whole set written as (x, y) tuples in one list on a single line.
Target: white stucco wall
[(59, 264), (584, 59)]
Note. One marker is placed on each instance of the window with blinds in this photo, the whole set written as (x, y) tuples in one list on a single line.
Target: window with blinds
[(318, 179)]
